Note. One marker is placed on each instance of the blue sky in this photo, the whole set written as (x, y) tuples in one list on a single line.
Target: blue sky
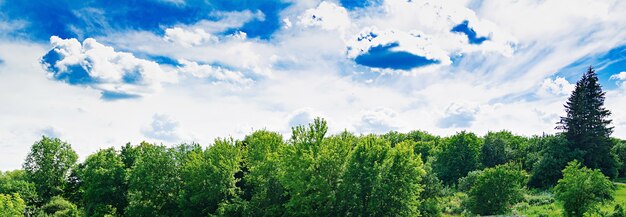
[(100, 74)]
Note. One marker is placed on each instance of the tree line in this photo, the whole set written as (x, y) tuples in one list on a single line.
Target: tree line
[(313, 173)]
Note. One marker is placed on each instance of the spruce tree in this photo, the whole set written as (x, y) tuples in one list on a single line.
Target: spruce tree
[(586, 125)]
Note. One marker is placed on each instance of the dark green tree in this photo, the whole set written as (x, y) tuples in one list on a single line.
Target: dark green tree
[(555, 152), (459, 155), (103, 183), (48, 166), (500, 148), (586, 125), (619, 150)]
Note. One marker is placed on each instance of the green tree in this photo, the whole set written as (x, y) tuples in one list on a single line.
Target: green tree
[(59, 207), (619, 150), (586, 125), (459, 155), (581, 189), (103, 183), (48, 166), (554, 155), (153, 182), (11, 205), (500, 148), (496, 189), (312, 169), (16, 182), (208, 178), (262, 160), (380, 180)]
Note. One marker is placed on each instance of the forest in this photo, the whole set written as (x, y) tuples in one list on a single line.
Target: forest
[(576, 172)]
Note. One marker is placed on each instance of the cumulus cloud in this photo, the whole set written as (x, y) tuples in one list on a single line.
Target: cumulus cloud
[(558, 86), (91, 64), (217, 74), (327, 16), (163, 128), (378, 121)]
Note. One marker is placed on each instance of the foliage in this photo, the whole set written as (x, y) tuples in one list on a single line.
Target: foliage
[(209, 178), (458, 156), (103, 183), (11, 205), (586, 125), (380, 180), (555, 154), (16, 182), (313, 168), (495, 190), (48, 166), (581, 189), (500, 148), (619, 150), (263, 189), (59, 207), (153, 183)]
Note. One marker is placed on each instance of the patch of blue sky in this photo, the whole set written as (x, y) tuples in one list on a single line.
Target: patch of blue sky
[(356, 4), (82, 19), (383, 56), (113, 96), (163, 60), (606, 64), (472, 37)]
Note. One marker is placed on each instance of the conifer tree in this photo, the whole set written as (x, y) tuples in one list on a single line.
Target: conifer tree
[(586, 125)]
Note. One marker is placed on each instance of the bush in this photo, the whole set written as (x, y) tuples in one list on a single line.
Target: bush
[(496, 190), (582, 189), (11, 205)]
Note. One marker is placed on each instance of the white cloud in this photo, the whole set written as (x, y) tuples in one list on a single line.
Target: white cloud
[(620, 77), (459, 115), (558, 86), (215, 73), (188, 38), (379, 121), (327, 16), (413, 42), (107, 69)]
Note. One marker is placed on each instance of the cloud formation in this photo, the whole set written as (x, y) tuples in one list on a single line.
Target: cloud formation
[(91, 64)]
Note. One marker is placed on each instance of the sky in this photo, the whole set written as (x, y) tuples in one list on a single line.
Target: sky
[(103, 73)]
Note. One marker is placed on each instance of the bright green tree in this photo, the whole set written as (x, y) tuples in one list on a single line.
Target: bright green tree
[(496, 189), (16, 182), (381, 180), (586, 125), (208, 179), (459, 155), (312, 169), (263, 189), (48, 166), (12, 205), (581, 189), (153, 183), (59, 207), (103, 183)]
